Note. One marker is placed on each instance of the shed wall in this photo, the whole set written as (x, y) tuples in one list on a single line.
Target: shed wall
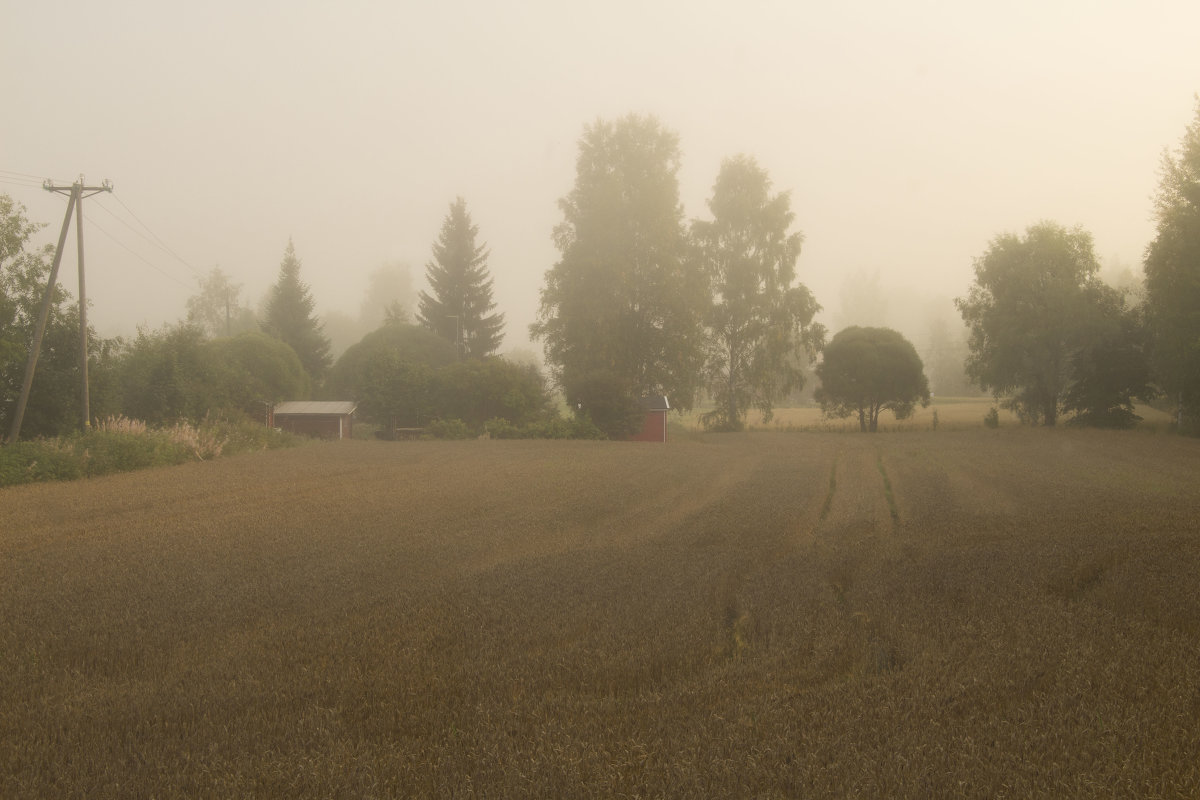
[(320, 426), (654, 428)]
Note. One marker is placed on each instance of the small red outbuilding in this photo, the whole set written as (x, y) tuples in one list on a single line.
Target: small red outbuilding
[(654, 425), (322, 419)]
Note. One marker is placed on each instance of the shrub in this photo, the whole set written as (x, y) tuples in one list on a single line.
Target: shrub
[(448, 429), (499, 428), (992, 418), (103, 452), (119, 444), (38, 460), (548, 427)]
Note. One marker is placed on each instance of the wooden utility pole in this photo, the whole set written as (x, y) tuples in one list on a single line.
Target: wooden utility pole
[(77, 192)]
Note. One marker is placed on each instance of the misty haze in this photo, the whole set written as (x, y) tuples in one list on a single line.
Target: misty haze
[(645, 400)]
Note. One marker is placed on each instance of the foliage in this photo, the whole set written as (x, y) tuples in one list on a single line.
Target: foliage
[(608, 402), (550, 426), (992, 418), (460, 307), (289, 317), (623, 297), (1172, 265), (1111, 370), (1035, 303), (55, 397), (168, 376), (448, 429), (757, 320), (408, 376), (477, 390), (944, 356), (38, 460), (868, 370), (119, 444), (389, 296), (175, 374), (217, 309), (256, 369), (389, 374)]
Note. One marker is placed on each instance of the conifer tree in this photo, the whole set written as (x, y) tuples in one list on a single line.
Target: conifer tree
[(290, 317), (459, 308)]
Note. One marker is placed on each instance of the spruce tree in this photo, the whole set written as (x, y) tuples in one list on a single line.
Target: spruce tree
[(290, 317), (459, 308)]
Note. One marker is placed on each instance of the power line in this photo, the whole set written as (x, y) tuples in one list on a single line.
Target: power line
[(134, 253), (156, 237), (29, 181), (25, 183), (24, 179), (144, 238), (38, 178)]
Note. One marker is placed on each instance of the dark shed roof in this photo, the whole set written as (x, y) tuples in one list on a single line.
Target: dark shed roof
[(656, 402)]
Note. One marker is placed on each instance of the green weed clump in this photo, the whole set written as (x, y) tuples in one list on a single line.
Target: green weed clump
[(39, 460), (119, 444), (555, 427)]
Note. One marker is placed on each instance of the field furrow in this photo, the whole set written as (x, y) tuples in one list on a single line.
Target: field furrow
[(958, 613)]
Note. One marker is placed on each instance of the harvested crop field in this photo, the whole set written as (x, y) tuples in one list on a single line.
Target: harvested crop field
[(975, 613)]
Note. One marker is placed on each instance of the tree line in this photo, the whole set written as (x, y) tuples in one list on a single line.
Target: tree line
[(642, 302)]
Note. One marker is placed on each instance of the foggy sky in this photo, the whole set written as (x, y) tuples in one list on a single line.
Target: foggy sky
[(909, 134)]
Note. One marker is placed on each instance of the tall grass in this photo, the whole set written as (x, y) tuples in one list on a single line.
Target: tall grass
[(120, 444)]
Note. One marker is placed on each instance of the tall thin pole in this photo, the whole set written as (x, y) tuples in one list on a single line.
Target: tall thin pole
[(75, 204), (35, 347), (85, 410)]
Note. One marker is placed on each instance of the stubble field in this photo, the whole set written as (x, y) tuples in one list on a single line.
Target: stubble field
[(974, 613)]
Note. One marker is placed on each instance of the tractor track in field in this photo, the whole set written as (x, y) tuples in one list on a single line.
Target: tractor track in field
[(860, 501)]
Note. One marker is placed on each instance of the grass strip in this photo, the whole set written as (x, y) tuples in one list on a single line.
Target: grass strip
[(887, 490), (832, 489)]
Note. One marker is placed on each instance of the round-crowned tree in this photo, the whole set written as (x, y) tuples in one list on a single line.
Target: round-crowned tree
[(867, 370)]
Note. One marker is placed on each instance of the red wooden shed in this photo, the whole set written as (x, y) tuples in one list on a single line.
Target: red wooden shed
[(321, 419), (654, 425)]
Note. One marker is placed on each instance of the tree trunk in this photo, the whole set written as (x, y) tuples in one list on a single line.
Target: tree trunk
[(1050, 413)]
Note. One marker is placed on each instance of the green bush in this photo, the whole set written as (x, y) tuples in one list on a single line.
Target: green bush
[(118, 444), (992, 418), (499, 428), (104, 452), (448, 429), (549, 427), (38, 460), (246, 435)]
